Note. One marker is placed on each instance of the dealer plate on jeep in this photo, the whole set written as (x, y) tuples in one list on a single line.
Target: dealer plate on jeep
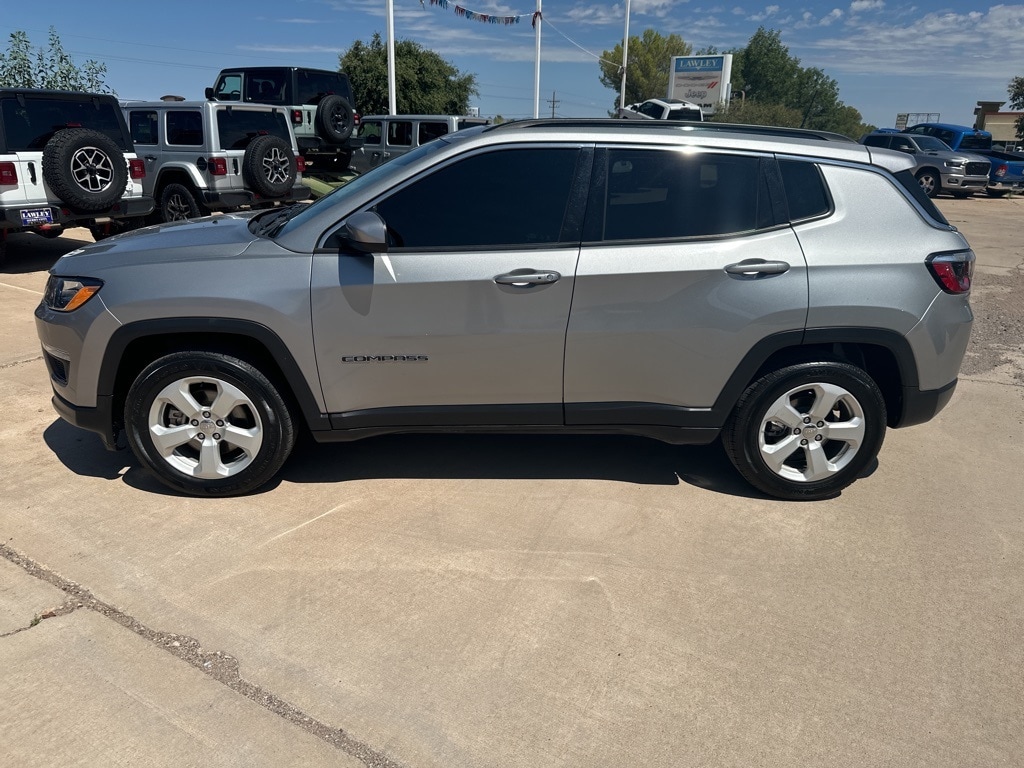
[(33, 217)]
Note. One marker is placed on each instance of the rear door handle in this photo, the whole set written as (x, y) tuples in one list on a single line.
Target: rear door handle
[(526, 277), (757, 267)]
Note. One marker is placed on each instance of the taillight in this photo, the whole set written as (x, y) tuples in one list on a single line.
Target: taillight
[(952, 270), (300, 164), (8, 174), (137, 168), (356, 117), (296, 117), (218, 166), (1002, 169)]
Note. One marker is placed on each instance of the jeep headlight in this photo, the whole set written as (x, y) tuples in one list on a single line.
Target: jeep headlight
[(66, 294)]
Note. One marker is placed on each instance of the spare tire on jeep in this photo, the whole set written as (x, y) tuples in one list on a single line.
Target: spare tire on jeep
[(85, 168), (269, 166), (334, 119)]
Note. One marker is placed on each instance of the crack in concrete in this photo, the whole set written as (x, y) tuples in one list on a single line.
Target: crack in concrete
[(16, 363), (219, 665)]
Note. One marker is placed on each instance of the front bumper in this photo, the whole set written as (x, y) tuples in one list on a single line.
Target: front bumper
[(99, 419), (965, 182)]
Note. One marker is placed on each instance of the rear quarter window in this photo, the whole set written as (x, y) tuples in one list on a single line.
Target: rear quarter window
[(236, 128), (185, 128), (30, 123), (806, 193), (910, 183)]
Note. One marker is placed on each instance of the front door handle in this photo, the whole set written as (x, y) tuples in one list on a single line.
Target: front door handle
[(752, 267), (527, 277)]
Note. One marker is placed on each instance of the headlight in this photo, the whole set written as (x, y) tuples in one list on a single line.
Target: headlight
[(66, 294), (954, 163)]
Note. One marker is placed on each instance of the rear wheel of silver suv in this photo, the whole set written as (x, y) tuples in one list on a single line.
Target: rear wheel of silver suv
[(806, 431), (208, 424)]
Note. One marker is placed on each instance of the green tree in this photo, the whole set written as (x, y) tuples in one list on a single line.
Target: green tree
[(425, 82), (769, 87), (53, 67), (647, 68), (766, 69), (1016, 92)]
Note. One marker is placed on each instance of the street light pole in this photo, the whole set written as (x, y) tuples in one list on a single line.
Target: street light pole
[(625, 58)]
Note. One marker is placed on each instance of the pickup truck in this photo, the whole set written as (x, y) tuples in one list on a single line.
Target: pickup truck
[(1007, 173)]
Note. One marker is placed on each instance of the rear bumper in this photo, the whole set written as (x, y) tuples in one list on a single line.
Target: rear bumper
[(1006, 186), (921, 405), (220, 201), (11, 217)]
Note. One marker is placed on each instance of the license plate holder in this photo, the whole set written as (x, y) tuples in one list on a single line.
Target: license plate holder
[(34, 217)]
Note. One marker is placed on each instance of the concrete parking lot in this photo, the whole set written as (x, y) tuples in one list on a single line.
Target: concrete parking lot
[(520, 601)]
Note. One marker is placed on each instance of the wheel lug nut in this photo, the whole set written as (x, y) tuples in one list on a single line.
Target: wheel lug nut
[(220, 422), (216, 435), (803, 442), (796, 431), (201, 436), (818, 438), (821, 423), (195, 422), (206, 414), (807, 419)]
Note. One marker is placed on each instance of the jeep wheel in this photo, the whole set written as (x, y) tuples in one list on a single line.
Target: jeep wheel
[(334, 119), (269, 166), (85, 169), (177, 203), (807, 431), (997, 192), (208, 424), (931, 183)]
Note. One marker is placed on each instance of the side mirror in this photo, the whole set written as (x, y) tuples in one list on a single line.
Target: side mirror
[(208, 92), (365, 232)]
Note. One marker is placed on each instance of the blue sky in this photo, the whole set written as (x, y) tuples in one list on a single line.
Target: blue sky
[(887, 56)]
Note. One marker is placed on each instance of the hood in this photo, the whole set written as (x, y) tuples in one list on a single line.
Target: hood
[(214, 237)]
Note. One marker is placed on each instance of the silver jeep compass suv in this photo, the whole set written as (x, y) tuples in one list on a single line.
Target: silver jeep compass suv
[(792, 293)]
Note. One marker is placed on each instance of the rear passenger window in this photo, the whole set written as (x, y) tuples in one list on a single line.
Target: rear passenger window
[(653, 194), (185, 128), (400, 133), (805, 190), (430, 131)]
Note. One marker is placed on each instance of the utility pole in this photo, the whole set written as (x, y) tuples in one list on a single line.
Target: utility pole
[(553, 103)]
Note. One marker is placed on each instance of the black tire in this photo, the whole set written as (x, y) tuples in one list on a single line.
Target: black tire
[(962, 194), (207, 452), (178, 203), (334, 119), (930, 181), (806, 431), (269, 166), (85, 169), (997, 192)]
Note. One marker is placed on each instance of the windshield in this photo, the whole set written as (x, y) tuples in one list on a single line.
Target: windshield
[(931, 144), (345, 192)]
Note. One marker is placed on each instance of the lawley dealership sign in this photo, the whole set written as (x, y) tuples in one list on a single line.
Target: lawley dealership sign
[(704, 80)]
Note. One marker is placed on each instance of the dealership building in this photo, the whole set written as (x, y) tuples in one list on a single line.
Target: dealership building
[(1002, 125)]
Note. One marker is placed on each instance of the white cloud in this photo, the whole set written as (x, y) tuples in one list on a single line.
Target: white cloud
[(828, 18), (770, 10), (866, 5)]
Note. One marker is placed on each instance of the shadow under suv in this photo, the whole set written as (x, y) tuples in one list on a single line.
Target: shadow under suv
[(791, 293)]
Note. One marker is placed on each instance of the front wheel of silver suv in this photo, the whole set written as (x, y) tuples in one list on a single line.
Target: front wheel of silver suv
[(208, 424), (806, 431)]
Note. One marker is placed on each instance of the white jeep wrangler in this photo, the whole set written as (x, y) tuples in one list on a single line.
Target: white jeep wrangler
[(66, 159)]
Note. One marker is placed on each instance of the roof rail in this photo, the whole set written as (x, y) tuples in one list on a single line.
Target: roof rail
[(671, 125)]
